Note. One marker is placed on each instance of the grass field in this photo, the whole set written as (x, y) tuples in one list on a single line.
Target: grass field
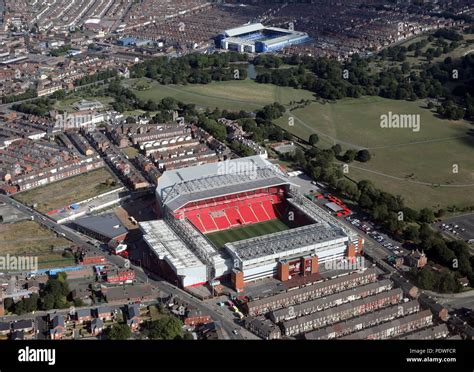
[(220, 238), (412, 164), (230, 95), (63, 193), (28, 238)]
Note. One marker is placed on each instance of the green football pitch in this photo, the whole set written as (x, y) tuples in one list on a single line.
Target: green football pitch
[(240, 233)]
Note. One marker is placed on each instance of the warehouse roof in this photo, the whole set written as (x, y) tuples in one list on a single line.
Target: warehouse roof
[(108, 225)]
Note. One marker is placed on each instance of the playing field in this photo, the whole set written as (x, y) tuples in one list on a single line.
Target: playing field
[(432, 167), (230, 95), (220, 238)]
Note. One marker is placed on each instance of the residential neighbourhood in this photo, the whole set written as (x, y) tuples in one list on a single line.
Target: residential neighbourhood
[(198, 170)]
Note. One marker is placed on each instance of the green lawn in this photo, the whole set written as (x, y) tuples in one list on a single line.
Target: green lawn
[(412, 164), (230, 95), (220, 238)]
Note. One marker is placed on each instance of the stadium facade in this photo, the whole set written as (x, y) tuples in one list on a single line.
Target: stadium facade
[(257, 38), (228, 197)]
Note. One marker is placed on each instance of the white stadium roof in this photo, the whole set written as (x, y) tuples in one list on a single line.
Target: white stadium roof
[(167, 245), (244, 29)]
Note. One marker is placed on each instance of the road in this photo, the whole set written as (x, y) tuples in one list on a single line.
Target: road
[(153, 280)]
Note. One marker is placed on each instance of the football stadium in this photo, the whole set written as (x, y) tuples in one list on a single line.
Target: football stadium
[(257, 38), (241, 219)]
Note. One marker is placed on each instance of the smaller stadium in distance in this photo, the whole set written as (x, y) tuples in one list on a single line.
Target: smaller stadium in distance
[(257, 38)]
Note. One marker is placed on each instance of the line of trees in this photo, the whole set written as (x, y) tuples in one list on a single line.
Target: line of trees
[(193, 68)]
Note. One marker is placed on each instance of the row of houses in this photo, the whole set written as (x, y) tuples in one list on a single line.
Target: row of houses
[(394, 328), (346, 327), (345, 311), (310, 292), (26, 164), (330, 301), (118, 161)]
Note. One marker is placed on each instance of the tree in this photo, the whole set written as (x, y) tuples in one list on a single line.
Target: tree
[(336, 149), (313, 139), (363, 156), (426, 278), (426, 215), (349, 156), (411, 233), (118, 332), (166, 328)]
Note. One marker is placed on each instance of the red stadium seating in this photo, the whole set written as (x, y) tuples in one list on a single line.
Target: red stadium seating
[(234, 216), (196, 222), (247, 214), (207, 221), (268, 205), (222, 223), (260, 212), (235, 210)]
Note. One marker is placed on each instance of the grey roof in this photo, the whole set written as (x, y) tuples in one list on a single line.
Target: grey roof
[(440, 330), (320, 286), (58, 321), (181, 186), (108, 225), (5, 326), (132, 311), (328, 301), (18, 335), (97, 323), (322, 315), (23, 324), (365, 333), (103, 310), (283, 241), (82, 313), (364, 321)]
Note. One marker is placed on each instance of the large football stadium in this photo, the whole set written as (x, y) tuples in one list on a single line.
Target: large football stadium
[(242, 219), (257, 38)]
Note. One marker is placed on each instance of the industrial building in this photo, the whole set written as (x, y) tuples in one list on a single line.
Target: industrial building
[(257, 38)]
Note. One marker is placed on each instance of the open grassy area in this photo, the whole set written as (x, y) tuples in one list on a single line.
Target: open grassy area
[(220, 238), (68, 191), (28, 238), (402, 160), (230, 95)]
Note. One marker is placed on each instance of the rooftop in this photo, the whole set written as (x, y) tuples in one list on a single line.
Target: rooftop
[(167, 244), (108, 225), (286, 241)]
